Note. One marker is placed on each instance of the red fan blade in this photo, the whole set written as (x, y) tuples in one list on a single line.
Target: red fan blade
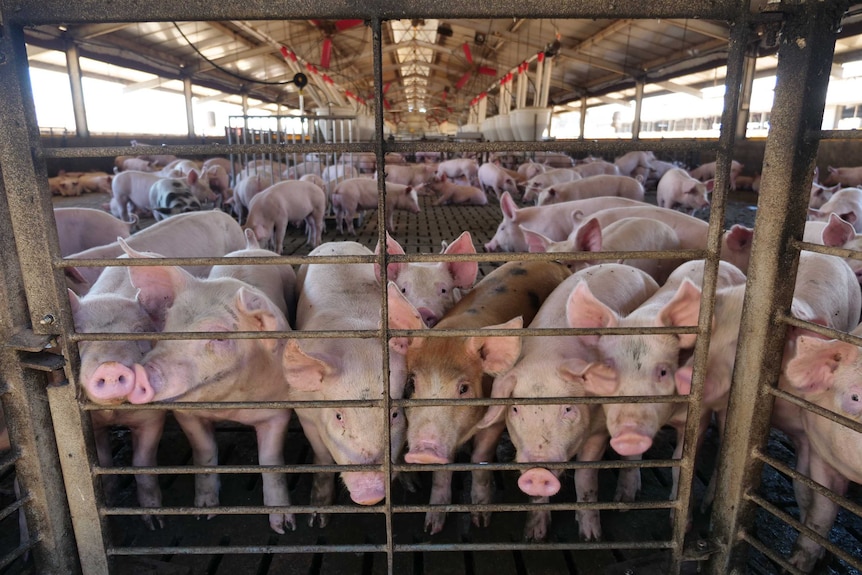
[(467, 53), (325, 52), (386, 87), (342, 25), (463, 80), (487, 71)]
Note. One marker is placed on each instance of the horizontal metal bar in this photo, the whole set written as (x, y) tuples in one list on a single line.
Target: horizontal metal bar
[(484, 401), (23, 548), (827, 332), (373, 333), (13, 507), (312, 468), (814, 408), (8, 460), (57, 11), (810, 483), (603, 147), (827, 250), (211, 260), (836, 134), (820, 540), (770, 553), (402, 548), (403, 509)]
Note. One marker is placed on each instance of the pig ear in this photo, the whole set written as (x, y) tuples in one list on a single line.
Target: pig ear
[(260, 310), (832, 170), (503, 387), (251, 242), (402, 315), (710, 185), (572, 370), (850, 217), (463, 273), (507, 204), (599, 379), (739, 237), (536, 242), (683, 380), (76, 279), (392, 270), (583, 310), (302, 371), (158, 288), (74, 302), (812, 369), (131, 252), (682, 310), (192, 178), (498, 354), (588, 238), (837, 232)]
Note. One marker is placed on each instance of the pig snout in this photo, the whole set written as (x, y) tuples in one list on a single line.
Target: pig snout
[(426, 452), (110, 381), (539, 482), (366, 488), (143, 390), (428, 317), (630, 440)]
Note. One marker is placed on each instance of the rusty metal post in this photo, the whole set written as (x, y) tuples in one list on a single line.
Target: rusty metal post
[(805, 58), (31, 219)]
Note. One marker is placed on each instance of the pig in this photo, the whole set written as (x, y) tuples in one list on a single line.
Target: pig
[(80, 229), (289, 201), (277, 281), (303, 168), (64, 185), (627, 163), (677, 189), (453, 368), (492, 176), (314, 179), (345, 296), (448, 193), (597, 168), (458, 168), (132, 188), (821, 194), (657, 169), (95, 182), (825, 372), (247, 188), (197, 234), (643, 364), (356, 194), (555, 221), (110, 307), (432, 287), (846, 203), (592, 187), (706, 172), (337, 173), (844, 176), (138, 164), (530, 169), (627, 234), (547, 367), (410, 175), (225, 164), (548, 178), (219, 180), (215, 369), (169, 197), (836, 233)]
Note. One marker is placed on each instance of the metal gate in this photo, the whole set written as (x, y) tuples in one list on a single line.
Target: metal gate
[(66, 511)]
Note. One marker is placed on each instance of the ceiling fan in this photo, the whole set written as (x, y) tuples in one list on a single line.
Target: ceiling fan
[(484, 70)]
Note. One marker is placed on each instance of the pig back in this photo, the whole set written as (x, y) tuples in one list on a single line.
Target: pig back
[(514, 289)]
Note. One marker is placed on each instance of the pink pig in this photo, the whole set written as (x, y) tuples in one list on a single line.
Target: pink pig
[(356, 194), (844, 176), (548, 367), (450, 193), (433, 288), (492, 176), (845, 203), (592, 187), (289, 201), (80, 229), (548, 178), (678, 188)]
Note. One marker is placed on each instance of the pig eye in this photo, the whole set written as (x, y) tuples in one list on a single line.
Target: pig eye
[(514, 409), (463, 388), (568, 409), (404, 290), (442, 290), (409, 387), (338, 416), (394, 415)]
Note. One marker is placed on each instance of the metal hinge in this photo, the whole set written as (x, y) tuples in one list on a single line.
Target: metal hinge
[(32, 347)]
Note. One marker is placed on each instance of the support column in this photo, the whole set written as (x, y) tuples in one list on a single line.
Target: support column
[(639, 100), (190, 113), (73, 68), (583, 115), (745, 96)]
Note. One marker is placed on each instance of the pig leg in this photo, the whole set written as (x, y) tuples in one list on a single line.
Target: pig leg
[(628, 481), (821, 513), (145, 444), (280, 229), (587, 487), (201, 436), (270, 449), (538, 521), (323, 484), (103, 451), (441, 494), (482, 490)]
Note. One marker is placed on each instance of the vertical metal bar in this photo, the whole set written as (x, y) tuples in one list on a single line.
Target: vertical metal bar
[(805, 59), (639, 101), (190, 113), (738, 43), (32, 221), (380, 153), (745, 99), (583, 119), (73, 67)]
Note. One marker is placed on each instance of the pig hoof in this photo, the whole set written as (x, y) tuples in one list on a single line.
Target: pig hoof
[(434, 522), (278, 522), (536, 528), (320, 519), (153, 522), (589, 526), (481, 518)]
